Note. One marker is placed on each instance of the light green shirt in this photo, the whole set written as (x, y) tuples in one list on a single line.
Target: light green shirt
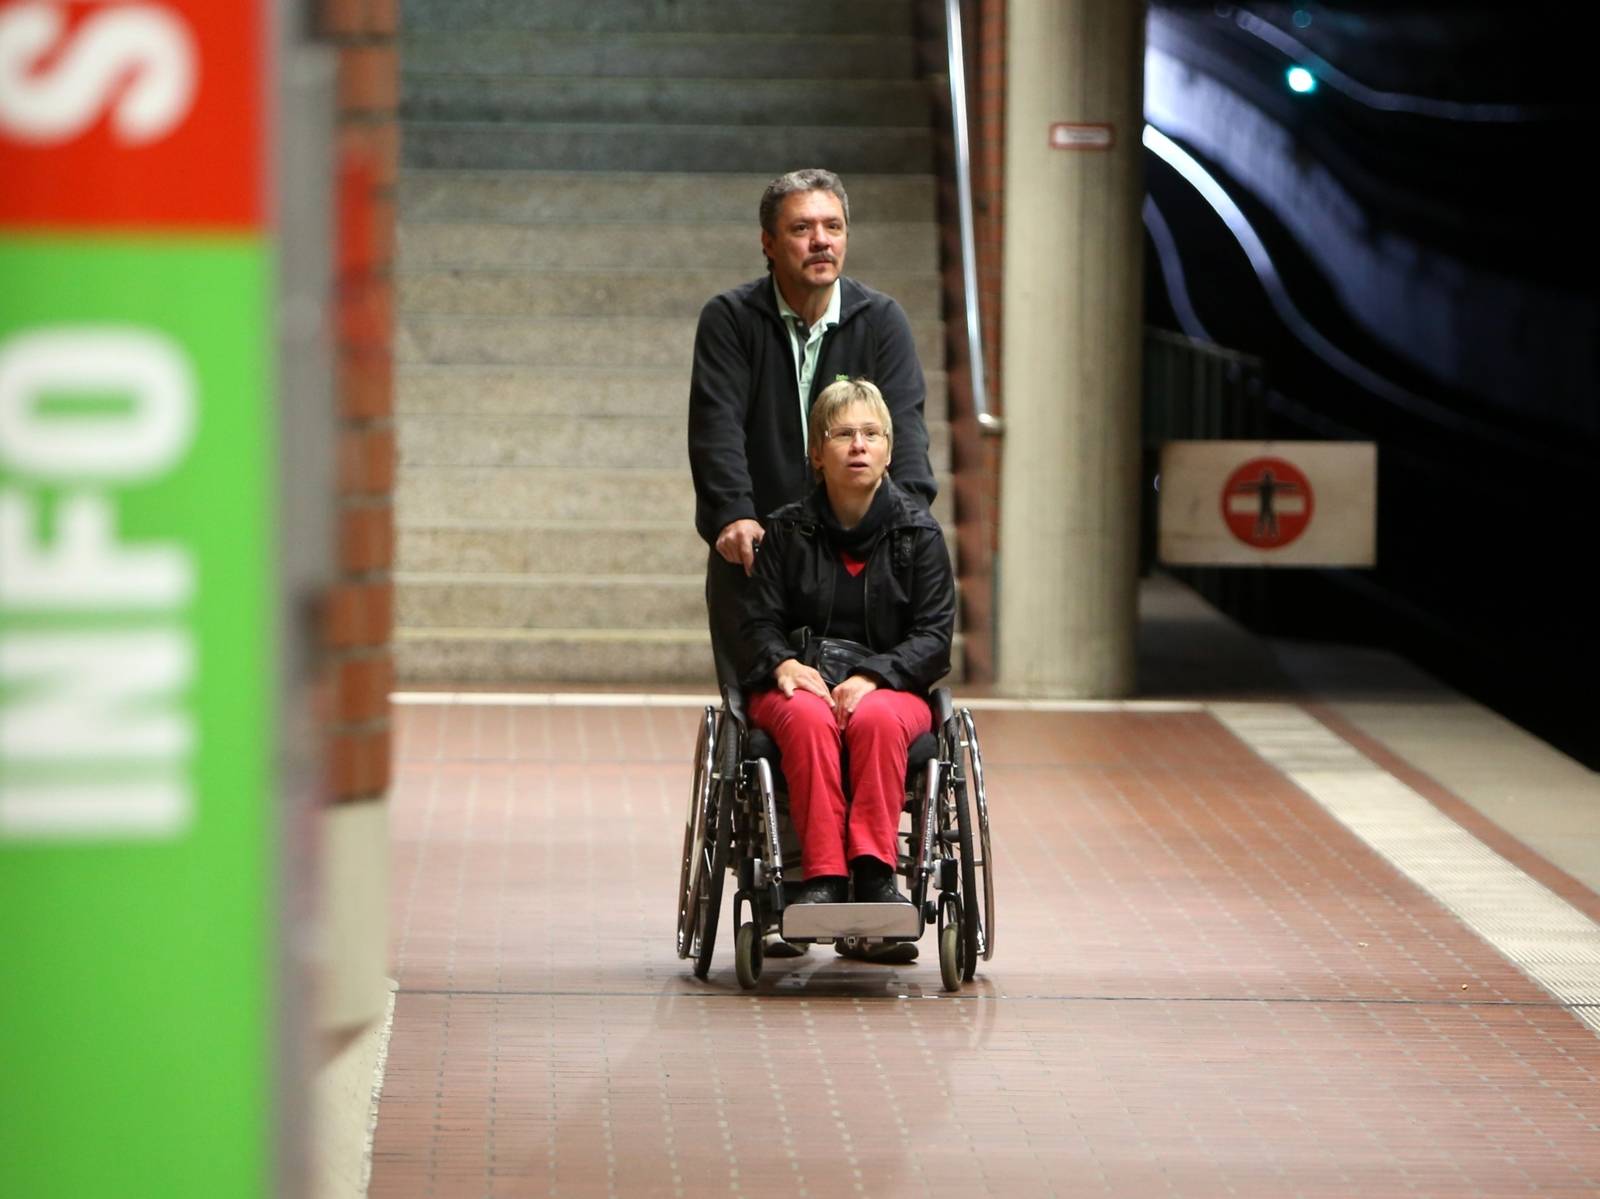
[(806, 343)]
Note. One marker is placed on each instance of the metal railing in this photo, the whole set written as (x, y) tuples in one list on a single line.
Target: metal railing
[(987, 421), (1197, 391)]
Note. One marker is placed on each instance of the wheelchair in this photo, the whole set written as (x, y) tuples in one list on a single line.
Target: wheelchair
[(738, 824)]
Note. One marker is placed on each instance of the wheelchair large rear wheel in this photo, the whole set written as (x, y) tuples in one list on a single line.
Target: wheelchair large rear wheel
[(713, 870), (971, 920), (696, 830), (971, 770)]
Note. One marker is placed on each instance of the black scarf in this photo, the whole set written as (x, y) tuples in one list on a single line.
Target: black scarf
[(857, 542)]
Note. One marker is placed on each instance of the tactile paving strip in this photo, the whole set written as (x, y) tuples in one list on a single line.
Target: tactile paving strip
[(1544, 935)]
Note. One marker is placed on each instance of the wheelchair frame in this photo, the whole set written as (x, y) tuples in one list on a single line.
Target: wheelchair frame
[(733, 826)]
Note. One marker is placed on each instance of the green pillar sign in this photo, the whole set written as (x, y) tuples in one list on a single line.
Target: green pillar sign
[(138, 834)]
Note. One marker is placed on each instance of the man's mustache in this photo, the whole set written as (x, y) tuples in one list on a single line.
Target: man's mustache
[(820, 258)]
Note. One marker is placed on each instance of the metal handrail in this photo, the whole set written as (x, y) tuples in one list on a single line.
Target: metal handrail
[(987, 421)]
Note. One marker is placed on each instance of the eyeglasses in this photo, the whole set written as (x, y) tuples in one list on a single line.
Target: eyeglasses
[(846, 434)]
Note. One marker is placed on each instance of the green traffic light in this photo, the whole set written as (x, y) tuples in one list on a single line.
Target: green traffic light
[(1301, 80)]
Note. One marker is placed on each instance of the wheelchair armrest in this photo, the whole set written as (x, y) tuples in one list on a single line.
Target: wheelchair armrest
[(733, 703), (943, 706)]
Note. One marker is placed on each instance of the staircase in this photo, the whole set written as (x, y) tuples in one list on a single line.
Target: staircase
[(577, 180)]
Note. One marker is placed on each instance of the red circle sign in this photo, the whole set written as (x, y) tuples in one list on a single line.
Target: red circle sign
[(1267, 503)]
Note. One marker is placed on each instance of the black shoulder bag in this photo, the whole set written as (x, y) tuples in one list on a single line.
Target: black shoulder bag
[(834, 658)]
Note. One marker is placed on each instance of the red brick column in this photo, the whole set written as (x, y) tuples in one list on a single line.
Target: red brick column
[(360, 607)]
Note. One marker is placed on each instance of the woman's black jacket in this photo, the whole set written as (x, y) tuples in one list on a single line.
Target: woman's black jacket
[(910, 593)]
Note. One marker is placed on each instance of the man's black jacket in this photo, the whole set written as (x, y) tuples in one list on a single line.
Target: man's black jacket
[(910, 594), (746, 447)]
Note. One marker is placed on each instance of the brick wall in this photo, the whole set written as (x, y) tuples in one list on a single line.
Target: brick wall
[(360, 607)]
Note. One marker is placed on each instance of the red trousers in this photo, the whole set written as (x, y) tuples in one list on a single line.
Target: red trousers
[(879, 733)]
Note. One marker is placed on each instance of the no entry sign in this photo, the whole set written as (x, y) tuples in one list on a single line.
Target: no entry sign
[(1267, 502), (1251, 503)]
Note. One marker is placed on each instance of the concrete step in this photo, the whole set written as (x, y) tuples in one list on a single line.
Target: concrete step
[(621, 442), (535, 656), (641, 16), (481, 292), (430, 495), (881, 245), (545, 601), (585, 547), (772, 149), (582, 547), (514, 604), (518, 197), (529, 657), (806, 53), (551, 601), (646, 341), (842, 103), (595, 391)]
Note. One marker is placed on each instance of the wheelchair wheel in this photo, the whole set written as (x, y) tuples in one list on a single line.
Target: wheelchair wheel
[(971, 769), (713, 870), (950, 954), (970, 922), (695, 831), (747, 954)]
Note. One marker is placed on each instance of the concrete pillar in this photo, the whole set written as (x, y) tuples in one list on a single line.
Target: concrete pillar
[(1071, 337)]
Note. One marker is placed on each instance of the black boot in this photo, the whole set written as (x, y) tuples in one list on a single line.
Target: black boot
[(874, 881), (825, 888)]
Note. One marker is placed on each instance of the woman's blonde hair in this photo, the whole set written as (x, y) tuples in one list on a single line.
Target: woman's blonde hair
[(835, 398)]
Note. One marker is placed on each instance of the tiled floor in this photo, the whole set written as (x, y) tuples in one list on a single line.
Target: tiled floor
[(1204, 985)]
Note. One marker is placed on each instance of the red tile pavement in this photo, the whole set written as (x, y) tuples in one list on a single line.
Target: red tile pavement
[(1204, 985)]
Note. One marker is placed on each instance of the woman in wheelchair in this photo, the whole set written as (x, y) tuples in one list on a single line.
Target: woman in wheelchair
[(858, 572)]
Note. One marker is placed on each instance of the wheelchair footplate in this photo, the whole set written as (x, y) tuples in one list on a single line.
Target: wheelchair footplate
[(822, 921)]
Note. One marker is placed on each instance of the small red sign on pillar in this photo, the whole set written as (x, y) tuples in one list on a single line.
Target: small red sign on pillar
[(1076, 135)]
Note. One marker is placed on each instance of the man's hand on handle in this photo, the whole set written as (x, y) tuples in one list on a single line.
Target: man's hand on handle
[(737, 543)]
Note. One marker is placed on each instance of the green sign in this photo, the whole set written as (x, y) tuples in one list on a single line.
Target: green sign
[(138, 920)]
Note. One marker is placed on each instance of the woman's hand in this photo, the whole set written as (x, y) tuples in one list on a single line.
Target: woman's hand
[(792, 674), (850, 693)]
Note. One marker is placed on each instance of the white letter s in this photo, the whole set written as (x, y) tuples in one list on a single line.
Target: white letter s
[(64, 102)]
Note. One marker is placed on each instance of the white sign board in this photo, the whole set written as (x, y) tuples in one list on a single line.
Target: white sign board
[(1268, 503)]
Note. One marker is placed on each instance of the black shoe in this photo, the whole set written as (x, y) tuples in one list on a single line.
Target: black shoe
[(825, 888), (874, 882), (893, 953), (774, 946)]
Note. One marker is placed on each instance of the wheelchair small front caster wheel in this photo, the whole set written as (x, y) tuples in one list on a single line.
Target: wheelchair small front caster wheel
[(950, 957), (747, 954)]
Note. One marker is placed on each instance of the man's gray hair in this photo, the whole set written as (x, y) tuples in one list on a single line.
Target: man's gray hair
[(812, 179)]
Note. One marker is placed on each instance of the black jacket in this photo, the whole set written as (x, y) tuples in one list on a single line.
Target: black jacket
[(745, 444), (910, 593)]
